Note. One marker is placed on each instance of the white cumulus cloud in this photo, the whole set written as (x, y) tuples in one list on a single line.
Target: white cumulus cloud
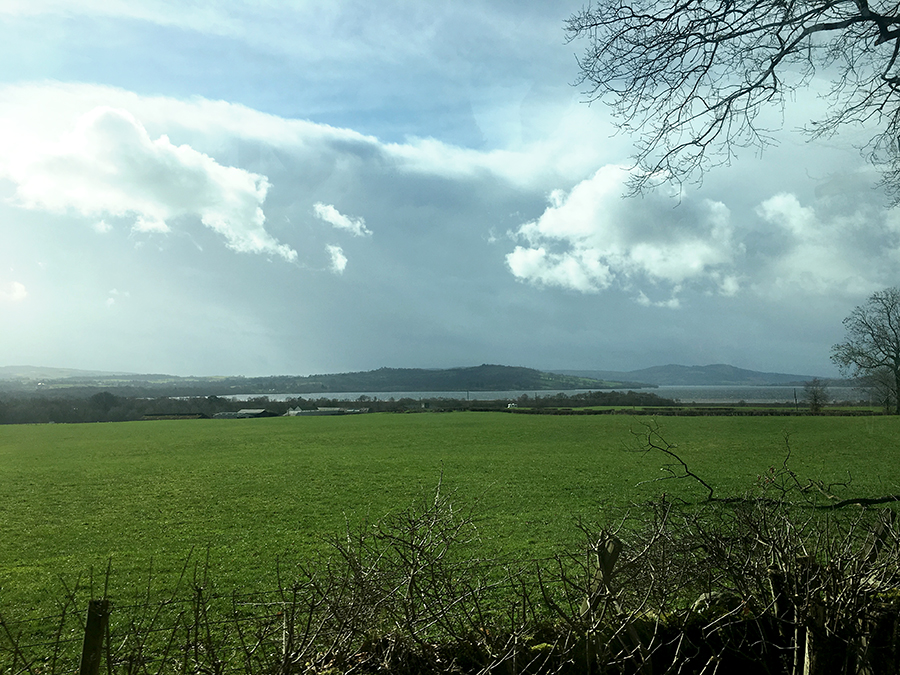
[(580, 270), (12, 291), (338, 259), (589, 238), (355, 226), (109, 165)]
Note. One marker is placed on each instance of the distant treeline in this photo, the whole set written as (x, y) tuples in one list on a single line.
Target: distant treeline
[(108, 407), (594, 398)]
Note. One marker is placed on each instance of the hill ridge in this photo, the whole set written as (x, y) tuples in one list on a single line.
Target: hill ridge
[(708, 375), (486, 377), (388, 379)]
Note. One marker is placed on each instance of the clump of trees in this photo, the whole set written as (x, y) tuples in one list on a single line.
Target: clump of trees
[(598, 398), (105, 406)]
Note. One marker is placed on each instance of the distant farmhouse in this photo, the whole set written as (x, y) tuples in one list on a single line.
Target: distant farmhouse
[(299, 412), (252, 413), (245, 413)]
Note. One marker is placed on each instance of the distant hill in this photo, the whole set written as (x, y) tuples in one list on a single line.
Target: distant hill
[(716, 374), (478, 378), (29, 379), (41, 373)]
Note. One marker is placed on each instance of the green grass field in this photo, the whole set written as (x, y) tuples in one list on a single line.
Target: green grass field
[(253, 492)]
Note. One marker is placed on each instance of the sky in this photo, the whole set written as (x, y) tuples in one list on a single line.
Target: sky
[(260, 188)]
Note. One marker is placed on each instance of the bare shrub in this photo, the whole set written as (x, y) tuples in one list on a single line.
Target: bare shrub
[(749, 585)]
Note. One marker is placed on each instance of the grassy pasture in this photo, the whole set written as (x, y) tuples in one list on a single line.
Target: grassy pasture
[(142, 494)]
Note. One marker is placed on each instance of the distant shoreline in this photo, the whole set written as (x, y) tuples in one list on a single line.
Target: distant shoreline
[(698, 394)]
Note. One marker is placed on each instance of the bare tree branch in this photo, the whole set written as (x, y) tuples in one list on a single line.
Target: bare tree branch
[(689, 78)]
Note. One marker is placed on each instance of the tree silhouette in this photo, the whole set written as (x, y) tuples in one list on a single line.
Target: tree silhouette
[(872, 347)]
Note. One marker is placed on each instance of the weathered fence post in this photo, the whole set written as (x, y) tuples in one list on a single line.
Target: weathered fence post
[(785, 616), (94, 632)]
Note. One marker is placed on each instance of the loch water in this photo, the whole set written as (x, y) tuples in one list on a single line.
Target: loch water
[(718, 394)]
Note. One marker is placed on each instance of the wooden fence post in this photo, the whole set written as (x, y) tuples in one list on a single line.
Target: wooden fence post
[(94, 632)]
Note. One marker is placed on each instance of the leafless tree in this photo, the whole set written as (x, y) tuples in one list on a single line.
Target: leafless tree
[(689, 78), (816, 394), (872, 347)]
